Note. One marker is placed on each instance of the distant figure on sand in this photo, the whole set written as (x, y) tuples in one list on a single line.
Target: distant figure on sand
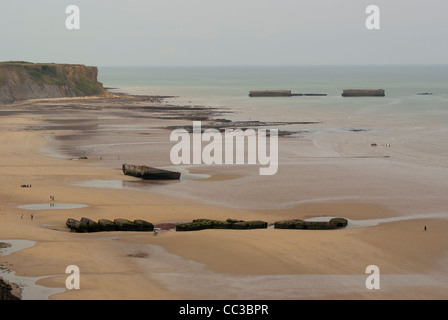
[(155, 232), (425, 228)]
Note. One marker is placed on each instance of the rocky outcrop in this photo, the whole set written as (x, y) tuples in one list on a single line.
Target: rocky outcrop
[(202, 224), (334, 223), (24, 80), (103, 225), (142, 225), (107, 225), (6, 291)]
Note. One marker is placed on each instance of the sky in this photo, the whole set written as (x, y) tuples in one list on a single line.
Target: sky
[(225, 33)]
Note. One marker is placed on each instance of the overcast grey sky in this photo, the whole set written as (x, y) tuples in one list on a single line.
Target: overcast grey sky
[(230, 32)]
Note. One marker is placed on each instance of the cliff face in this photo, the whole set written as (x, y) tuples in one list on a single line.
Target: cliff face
[(5, 291), (23, 80)]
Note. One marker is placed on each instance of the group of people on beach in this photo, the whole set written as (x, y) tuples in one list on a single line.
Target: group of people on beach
[(25, 186), (31, 216)]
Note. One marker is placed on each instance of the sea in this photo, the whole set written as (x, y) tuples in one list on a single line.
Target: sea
[(229, 87), (416, 96), (408, 127)]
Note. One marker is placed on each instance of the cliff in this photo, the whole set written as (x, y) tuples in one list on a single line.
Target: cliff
[(5, 291), (24, 80)]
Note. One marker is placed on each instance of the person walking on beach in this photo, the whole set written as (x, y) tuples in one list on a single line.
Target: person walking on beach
[(32, 217), (425, 228)]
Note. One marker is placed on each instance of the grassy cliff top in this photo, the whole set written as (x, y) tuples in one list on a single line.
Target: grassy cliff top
[(26, 63), (81, 79)]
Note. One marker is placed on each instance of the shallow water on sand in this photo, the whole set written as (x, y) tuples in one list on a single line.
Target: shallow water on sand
[(352, 224), (178, 274), (329, 160), (30, 290)]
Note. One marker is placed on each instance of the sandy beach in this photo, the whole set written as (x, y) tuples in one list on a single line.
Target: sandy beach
[(43, 140)]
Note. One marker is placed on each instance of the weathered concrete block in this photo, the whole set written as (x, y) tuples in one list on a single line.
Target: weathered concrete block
[(125, 225), (143, 225), (106, 225), (90, 225)]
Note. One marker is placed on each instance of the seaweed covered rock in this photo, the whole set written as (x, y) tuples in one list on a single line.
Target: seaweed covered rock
[(125, 225), (334, 223), (143, 225), (287, 224), (245, 225), (339, 222), (202, 224), (73, 224), (314, 225), (106, 225), (89, 225)]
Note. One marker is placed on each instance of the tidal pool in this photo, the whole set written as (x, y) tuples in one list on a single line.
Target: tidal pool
[(29, 289)]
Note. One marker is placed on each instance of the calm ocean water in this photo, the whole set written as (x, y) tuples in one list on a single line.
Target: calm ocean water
[(415, 126), (229, 86)]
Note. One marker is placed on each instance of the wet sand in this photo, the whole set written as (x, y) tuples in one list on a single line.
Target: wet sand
[(43, 141)]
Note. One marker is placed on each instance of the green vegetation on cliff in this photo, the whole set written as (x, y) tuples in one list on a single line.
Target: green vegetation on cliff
[(20, 80)]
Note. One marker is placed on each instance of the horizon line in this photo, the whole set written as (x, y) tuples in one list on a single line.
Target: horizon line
[(272, 65), (233, 65)]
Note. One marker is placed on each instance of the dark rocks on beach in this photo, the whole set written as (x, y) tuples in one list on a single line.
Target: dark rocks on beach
[(143, 225), (334, 223), (202, 224), (287, 224), (74, 225), (338, 222), (246, 225), (107, 225), (6, 291), (4, 245), (89, 225), (103, 225), (85, 225), (125, 225)]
